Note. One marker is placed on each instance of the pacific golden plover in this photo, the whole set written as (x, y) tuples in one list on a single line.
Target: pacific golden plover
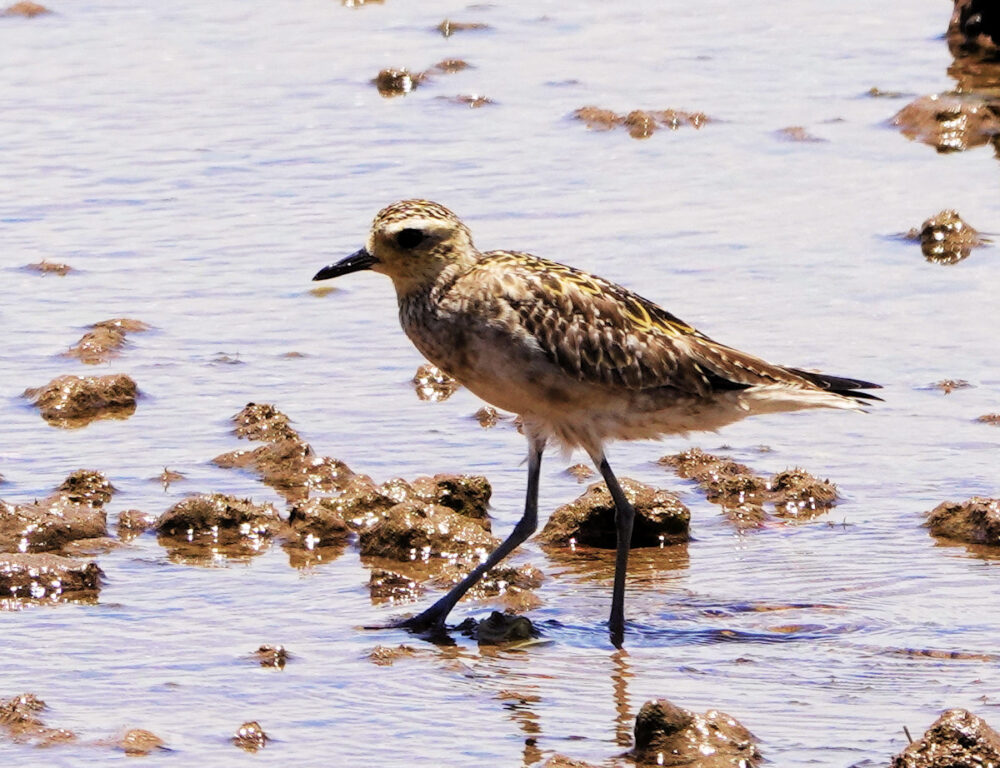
[(582, 360)]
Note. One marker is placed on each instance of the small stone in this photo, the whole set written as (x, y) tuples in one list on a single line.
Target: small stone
[(448, 27), (138, 742), (957, 739), (75, 401), (271, 656)]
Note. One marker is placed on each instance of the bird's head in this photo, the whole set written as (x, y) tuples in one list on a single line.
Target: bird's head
[(412, 242)]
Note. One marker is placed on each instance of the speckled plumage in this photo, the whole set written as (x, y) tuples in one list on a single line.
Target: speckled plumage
[(581, 359)]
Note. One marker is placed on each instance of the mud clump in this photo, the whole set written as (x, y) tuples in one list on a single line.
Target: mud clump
[(206, 524), (950, 385), (388, 585), (168, 476), (660, 518), (976, 521), (580, 471), (132, 522), (487, 417), (397, 82), (974, 29), (500, 629), (360, 3), (667, 735), (138, 742), (415, 530), (47, 578), (957, 738), (798, 133), (384, 656), (75, 401), (433, 384), (250, 737), (318, 522), (989, 418), (271, 656), (794, 493), (946, 239), (290, 466), (470, 100), (286, 462), (949, 122), (262, 421), (104, 340), (447, 28), (641, 124), (72, 513), (46, 267), (26, 10), (21, 718)]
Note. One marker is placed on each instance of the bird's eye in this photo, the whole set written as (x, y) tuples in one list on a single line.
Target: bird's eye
[(409, 238)]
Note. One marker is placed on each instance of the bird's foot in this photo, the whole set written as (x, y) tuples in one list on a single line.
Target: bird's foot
[(428, 625)]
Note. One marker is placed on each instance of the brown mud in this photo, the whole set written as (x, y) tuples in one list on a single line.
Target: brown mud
[(48, 578), (250, 737), (793, 494), (431, 383), (75, 511), (45, 267), (957, 739), (138, 742), (21, 720), (104, 340), (205, 526), (271, 656), (499, 629), (447, 28), (26, 10), (976, 521), (640, 124), (668, 735), (75, 401), (946, 239), (589, 520)]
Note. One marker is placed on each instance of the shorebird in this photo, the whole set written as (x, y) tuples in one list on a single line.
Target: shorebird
[(580, 359)]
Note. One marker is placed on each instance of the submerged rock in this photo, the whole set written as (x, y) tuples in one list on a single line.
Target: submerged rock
[(667, 735), (660, 518), (104, 340), (946, 239), (976, 521), (75, 401), (47, 577), (385, 656), (132, 522), (957, 739)]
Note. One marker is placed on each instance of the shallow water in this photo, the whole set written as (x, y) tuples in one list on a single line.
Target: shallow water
[(197, 163)]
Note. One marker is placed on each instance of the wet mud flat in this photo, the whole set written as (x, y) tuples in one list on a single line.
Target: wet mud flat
[(214, 480)]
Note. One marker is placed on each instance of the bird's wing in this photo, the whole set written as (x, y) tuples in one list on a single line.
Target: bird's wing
[(598, 331)]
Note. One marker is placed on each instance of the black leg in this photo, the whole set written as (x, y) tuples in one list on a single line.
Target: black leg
[(432, 619), (624, 517)]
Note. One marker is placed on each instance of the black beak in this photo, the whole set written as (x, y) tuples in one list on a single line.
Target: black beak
[(353, 263)]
